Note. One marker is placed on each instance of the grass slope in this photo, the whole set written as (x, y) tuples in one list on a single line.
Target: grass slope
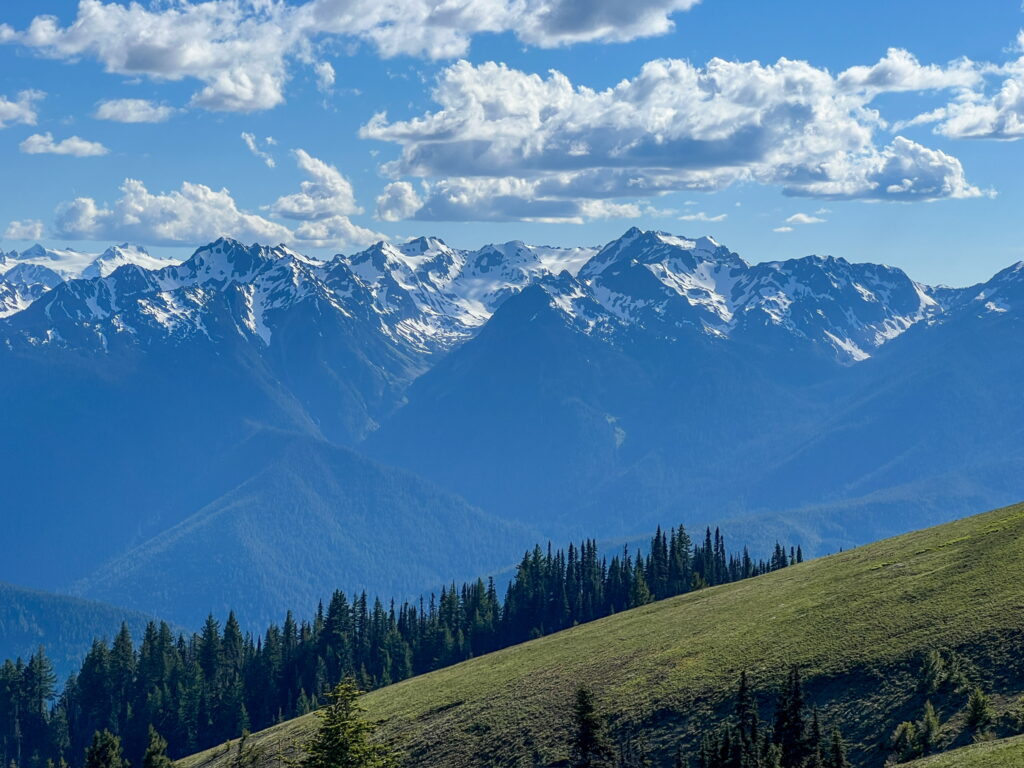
[(1003, 753), (857, 623)]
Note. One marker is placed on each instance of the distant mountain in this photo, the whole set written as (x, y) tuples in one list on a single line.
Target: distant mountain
[(568, 390), (671, 378), (27, 275), (64, 626), (306, 519)]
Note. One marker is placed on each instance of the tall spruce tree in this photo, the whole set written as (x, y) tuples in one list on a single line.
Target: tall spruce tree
[(789, 728)]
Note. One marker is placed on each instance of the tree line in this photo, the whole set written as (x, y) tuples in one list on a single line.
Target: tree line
[(198, 691)]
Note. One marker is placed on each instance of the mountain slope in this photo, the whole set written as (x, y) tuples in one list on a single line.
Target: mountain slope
[(1002, 753), (671, 379), (858, 625), (65, 626), (308, 519)]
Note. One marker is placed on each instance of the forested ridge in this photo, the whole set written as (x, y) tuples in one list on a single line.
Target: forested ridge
[(201, 690)]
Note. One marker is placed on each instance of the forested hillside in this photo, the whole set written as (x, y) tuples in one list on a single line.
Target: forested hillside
[(65, 626), (859, 625), (217, 684)]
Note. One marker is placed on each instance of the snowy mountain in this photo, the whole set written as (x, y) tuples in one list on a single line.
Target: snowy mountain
[(584, 389), (27, 275), (433, 296), (667, 284)]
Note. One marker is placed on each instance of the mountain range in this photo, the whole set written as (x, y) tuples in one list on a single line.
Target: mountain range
[(252, 407)]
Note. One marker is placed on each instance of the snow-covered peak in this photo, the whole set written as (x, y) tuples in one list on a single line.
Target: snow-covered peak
[(65, 262), (1003, 293), (119, 255)]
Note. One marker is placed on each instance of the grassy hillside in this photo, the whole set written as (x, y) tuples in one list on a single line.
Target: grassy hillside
[(857, 623), (65, 626), (1003, 753)]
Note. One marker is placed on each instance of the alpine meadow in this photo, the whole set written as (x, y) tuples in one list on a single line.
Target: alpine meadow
[(511, 384)]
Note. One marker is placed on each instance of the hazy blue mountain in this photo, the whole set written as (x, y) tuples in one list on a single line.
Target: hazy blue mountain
[(64, 626)]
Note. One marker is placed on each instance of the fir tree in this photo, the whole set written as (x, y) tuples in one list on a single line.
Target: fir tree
[(344, 739), (156, 752), (928, 733), (590, 746), (979, 712), (837, 751), (105, 752)]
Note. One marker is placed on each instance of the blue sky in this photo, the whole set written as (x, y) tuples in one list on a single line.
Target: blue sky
[(774, 160)]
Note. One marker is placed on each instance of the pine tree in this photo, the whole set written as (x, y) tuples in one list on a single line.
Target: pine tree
[(156, 752), (344, 739), (789, 730), (837, 751), (928, 733), (979, 712), (590, 746), (105, 752)]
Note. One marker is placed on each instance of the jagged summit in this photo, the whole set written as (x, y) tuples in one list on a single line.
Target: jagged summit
[(428, 297)]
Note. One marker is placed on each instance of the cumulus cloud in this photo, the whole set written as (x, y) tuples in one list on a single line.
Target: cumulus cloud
[(398, 201), (30, 229), (325, 194), (197, 213), (191, 214), (133, 111), (782, 229), (75, 146), (21, 110), (981, 111), (254, 146), (900, 71), (241, 50), (673, 127)]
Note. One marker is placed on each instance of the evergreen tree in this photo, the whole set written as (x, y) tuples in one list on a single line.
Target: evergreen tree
[(105, 752), (590, 746), (789, 729), (156, 752), (837, 751), (979, 711), (928, 733), (344, 739)]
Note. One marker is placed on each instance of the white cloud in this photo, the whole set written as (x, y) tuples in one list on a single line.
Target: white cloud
[(254, 146), (75, 146), (900, 71), (134, 111), (30, 229), (325, 76), (398, 201), (673, 127), (980, 112), (195, 213), (21, 110), (783, 229), (328, 193), (335, 231), (241, 50), (701, 216), (804, 218)]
